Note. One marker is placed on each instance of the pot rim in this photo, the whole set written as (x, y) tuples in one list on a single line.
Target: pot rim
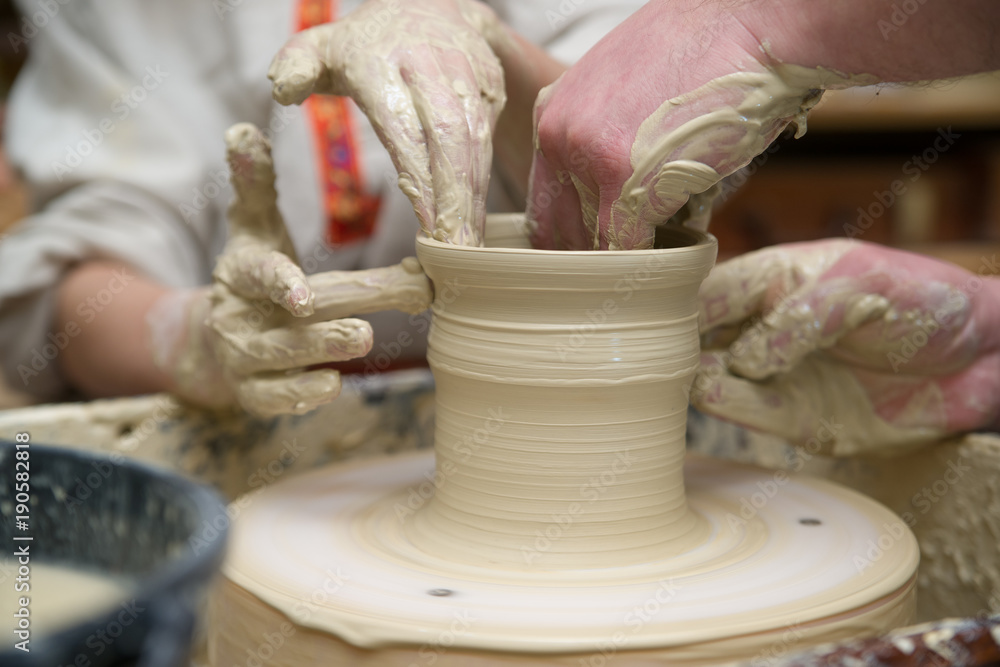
[(701, 241)]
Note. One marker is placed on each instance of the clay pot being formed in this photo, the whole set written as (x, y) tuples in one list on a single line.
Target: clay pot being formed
[(552, 526), (562, 390)]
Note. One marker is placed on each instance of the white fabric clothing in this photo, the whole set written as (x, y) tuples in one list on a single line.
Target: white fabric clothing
[(116, 124)]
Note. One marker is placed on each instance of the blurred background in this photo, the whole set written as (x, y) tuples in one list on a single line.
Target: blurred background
[(13, 200), (915, 167)]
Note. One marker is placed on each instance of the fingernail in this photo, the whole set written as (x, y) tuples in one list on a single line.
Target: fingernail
[(321, 387), (356, 343), (293, 77), (365, 339), (300, 300)]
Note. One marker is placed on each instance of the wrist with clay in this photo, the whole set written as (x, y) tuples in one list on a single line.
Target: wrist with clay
[(987, 305), (181, 345)]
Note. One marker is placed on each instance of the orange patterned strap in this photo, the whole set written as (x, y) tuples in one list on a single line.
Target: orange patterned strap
[(350, 212)]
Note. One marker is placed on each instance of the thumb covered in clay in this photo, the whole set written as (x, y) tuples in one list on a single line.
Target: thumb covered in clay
[(304, 66), (429, 82), (258, 261), (261, 335)]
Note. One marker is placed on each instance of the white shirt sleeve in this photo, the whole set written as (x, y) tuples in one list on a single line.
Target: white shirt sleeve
[(116, 123), (566, 29)]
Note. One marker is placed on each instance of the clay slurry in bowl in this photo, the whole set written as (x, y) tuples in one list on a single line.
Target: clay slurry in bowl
[(120, 555), (60, 596)]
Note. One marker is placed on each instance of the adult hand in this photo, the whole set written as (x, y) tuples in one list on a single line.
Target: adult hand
[(257, 333), (684, 92), (861, 347), (426, 77), (677, 97)]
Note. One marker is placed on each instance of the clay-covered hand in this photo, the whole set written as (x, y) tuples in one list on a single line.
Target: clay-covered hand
[(857, 347), (426, 77), (664, 106), (256, 335)]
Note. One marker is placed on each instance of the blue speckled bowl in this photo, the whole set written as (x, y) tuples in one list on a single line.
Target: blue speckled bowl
[(131, 521)]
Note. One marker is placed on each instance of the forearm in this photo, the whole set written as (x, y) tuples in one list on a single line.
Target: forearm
[(111, 355), (894, 40), (987, 306), (527, 69), (988, 309)]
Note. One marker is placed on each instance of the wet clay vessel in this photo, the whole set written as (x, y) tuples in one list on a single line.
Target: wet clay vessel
[(558, 519)]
